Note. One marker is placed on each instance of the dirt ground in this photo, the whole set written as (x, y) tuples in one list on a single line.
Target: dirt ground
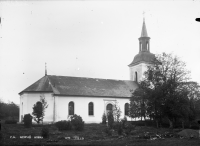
[(93, 134)]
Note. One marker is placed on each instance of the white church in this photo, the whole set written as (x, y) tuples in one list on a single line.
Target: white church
[(87, 97)]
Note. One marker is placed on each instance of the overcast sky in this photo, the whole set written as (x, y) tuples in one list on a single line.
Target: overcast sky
[(96, 39)]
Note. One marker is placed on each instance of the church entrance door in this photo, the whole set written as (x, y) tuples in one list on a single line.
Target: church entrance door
[(109, 108)]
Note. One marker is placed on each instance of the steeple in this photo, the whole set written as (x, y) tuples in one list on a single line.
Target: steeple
[(144, 40), (45, 69), (144, 54), (144, 30)]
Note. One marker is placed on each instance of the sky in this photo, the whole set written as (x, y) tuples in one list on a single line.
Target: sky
[(96, 39)]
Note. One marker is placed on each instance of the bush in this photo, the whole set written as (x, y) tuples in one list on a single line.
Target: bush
[(123, 121), (45, 132), (110, 119), (104, 119), (1, 136), (129, 127), (27, 120), (63, 125), (195, 127), (108, 131), (10, 121), (77, 122), (118, 127)]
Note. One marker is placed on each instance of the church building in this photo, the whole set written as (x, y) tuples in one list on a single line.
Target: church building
[(87, 97)]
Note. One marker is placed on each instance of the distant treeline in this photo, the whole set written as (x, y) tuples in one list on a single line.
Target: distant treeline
[(8, 110)]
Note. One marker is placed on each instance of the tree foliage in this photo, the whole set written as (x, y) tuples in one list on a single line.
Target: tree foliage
[(39, 110), (8, 110), (166, 92)]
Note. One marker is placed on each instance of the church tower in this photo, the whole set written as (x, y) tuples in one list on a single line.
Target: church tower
[(144, 58)]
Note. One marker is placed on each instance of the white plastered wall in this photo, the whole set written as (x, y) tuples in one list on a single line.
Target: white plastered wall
[(61, 106), (29, 99), (140, 69), (81, 107)]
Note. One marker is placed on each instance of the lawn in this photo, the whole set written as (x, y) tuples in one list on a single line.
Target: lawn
[(93, 134)]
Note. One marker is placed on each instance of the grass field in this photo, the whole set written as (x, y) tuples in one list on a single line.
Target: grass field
[(93, 134)]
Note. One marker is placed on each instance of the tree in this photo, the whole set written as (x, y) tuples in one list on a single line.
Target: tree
[(138, 104), (116, 112), (39, 110), (193, 93), (8, 110), (162, 92)]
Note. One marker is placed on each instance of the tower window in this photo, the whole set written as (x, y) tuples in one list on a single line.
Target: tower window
[(136, 77)]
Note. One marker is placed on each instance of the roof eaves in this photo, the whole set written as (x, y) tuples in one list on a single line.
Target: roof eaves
[(92, 96), (34, 92)]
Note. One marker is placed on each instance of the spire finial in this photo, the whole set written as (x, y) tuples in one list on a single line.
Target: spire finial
[(144, 30), (45, 69), (143, 16)]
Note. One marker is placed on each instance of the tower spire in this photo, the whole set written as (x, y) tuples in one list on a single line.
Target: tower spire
[(144, 40), (144, 29), (45, 69)]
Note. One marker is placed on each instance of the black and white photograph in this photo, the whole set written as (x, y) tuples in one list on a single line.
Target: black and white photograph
[(91, 72)]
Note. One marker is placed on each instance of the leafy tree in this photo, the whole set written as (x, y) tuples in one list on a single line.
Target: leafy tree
[(8, 110), (39, 110), (162, 93), (138, 104), (116, 111)]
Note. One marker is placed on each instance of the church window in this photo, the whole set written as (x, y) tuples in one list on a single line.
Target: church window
[(136, 77), (71, 108), (39, 105), (126, 106), (91, 108)]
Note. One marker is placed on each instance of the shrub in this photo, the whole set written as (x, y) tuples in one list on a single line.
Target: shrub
[(45, 132), (77, 122), (119, 128), (110, 119), (123, 121), (1, 136), (129, 127), (27, 120), (63, 125), (108, 131), (10, 121), (104, 119)]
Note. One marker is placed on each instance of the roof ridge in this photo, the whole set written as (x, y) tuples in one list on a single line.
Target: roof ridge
[(90, 78)]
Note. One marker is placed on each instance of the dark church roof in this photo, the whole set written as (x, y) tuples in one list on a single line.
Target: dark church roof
[(143, 56), (81, 86)]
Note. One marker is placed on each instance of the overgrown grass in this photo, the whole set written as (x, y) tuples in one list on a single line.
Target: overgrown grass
[(93, 134)]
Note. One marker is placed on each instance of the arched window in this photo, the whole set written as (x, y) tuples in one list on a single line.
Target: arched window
[(136, 77), (109, 108), (91, 108), (71, 108), (39, 105), (126, 109)]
